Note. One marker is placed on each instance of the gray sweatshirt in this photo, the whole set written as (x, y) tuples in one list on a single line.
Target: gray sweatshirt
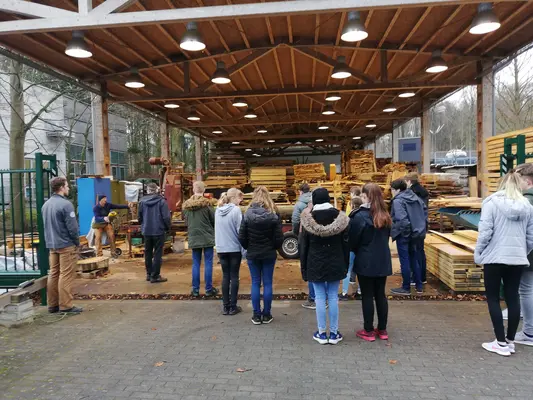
[(227, 223), (60, 224)]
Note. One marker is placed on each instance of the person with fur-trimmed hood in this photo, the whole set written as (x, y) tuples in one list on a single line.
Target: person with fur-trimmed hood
[(324, 259), (200, 217)]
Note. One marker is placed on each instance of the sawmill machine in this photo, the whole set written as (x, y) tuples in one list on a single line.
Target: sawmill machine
[(175, 184)]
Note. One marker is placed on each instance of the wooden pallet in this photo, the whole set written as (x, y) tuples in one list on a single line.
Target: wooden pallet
[(97, 273)]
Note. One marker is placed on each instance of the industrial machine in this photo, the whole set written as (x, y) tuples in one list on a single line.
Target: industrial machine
[(173, 182)]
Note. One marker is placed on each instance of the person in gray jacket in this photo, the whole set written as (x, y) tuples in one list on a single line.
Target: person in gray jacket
[(154, 217), (505, 239), (409, 215), (61, 233), (228, 218)]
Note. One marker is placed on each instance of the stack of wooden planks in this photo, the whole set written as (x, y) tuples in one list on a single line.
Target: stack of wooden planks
[(450, 258), (494, 146), (434, 217), (441, 184), (226, 169), (309, 172), (358, 162), (275, 179), (92, 268)]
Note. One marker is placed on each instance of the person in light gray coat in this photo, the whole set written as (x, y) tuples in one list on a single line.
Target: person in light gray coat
[(228, 218), (504, 242), (301, 204)]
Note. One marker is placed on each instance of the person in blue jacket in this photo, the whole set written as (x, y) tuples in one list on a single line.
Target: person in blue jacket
[(102, 223)]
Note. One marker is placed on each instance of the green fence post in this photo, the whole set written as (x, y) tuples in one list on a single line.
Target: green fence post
[(42, 252)]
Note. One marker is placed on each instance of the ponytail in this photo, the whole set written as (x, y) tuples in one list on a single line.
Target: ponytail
[(510, 185)]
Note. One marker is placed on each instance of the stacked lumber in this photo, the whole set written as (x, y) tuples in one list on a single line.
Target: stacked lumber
[(226, 169), (450, 258), (92, 268), (289, 171), (394, 167), (441, 184), (225, 182), (309, 172), (358, 162), (273, 178), (381, 162), (434, 217), (494, 146)]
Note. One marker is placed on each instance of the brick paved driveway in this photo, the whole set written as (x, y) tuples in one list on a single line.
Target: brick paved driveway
[(186, 350)]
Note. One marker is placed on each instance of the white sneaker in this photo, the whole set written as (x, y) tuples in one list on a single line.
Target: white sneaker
[(522, 338), (505, 314), (511, 347), (495, 347)]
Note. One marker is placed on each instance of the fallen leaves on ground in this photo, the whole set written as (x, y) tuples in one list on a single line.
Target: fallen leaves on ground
[(154, 329), (243, 369), (213, 338), (159, 364), (392, 362)]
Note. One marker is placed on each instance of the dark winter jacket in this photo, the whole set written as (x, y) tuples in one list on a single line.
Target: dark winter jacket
[(370, 245), (300, 205), (154, 215), (323, 245), (260, 233), (409, 215), (101, 212), (421, 192), (60, 225), (200, 216), (528, 194)]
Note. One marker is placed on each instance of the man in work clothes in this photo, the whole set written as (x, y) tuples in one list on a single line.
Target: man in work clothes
[(412, 183), (299, 207), (102, 223), (62, 238), (154, 217), (200, 216)]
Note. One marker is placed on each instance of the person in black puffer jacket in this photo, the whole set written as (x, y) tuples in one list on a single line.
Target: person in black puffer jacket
[(370, 229), (324, 259), (260, 234)]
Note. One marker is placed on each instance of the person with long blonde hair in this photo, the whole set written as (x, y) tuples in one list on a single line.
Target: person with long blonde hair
[(228, 217), (261, 236), (505, 239)]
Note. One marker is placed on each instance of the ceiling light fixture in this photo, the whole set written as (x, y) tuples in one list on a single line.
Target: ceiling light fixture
[(323, 127), (134, 80), (406, 94), (221, 75), (485, 20), (354, 30), (356, 137), (341, 70), (370, 124), (248, 150), (319, 140), (191, 39), (193, 115), (437, 63), (389, 108), (333, 97), (271, 141), (328, 110), (239, 102), (172, 105), (262, 130), (256, 155), (250, 114), (217, 130), (77, 47), (235, 142)]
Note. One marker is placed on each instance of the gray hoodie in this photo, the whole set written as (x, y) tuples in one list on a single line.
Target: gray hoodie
[(505, 231), (228, 219)]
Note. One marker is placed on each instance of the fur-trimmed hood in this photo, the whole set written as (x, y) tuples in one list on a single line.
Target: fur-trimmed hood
[(196, 202), (339, 224)]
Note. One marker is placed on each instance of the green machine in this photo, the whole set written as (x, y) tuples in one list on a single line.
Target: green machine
[(508, 158)]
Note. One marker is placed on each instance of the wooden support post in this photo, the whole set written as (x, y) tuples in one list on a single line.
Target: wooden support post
[(425, 142), (198, 148), (100, 121), (165, 138), (485, 123)]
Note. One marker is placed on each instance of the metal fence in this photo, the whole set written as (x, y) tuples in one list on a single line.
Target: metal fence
[(23, 254), (454, 157)]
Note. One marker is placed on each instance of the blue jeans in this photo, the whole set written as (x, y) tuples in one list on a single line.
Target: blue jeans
[(346, 281), (329, 291), (208, 268), (311, 291), (261, 271), (408, 253)]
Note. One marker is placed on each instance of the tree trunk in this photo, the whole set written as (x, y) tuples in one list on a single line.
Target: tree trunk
[(17, 136)]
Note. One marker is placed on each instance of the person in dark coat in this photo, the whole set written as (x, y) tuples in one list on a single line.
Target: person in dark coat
[(412, 183), (102, 223), (200, 217), (154, 217), (370, 229), (324, 260), (260, 235), (409, 216)]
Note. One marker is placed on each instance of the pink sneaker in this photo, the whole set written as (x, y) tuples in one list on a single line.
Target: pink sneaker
[(383, 335), (368, 336)]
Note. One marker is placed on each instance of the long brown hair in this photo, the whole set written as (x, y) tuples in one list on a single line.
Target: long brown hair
[(378, 209), (261, 196)]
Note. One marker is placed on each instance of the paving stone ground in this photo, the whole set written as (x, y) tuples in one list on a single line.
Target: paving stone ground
[(187, 350)]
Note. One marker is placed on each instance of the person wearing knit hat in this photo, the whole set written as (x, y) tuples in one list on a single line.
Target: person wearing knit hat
[(324, 259), (102, 223)]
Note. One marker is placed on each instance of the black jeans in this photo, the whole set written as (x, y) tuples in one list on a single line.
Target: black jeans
[(153, 254), (231, 264), (493, 276), (373, 288)]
